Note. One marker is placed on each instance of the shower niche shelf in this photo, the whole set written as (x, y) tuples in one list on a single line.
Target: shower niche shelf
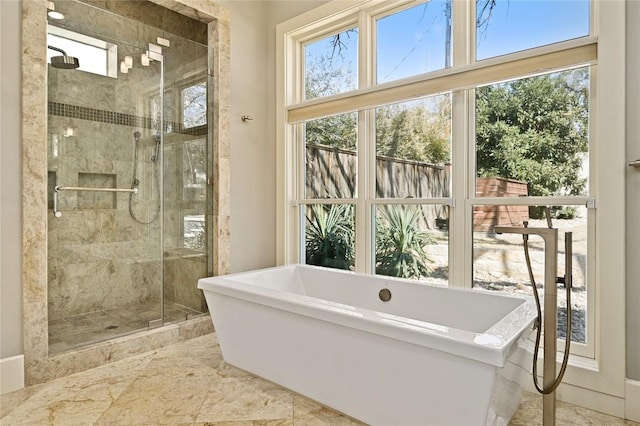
[(95, 199)]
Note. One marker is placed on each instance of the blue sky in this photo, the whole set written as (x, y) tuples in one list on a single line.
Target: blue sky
[(413, 41)]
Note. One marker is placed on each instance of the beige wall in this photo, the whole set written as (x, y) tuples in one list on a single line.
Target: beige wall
[(633, 191), (253, 145), (10, 182)]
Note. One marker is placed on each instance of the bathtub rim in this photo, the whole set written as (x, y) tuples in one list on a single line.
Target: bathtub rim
[(493, 346)]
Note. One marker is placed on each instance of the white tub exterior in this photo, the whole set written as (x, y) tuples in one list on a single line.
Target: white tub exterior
[(429, 356)]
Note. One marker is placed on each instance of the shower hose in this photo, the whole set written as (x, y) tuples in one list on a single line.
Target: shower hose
[(135, 183), (567, 346)]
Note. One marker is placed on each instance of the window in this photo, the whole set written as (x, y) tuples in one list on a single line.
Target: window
[(95, 56), (504, 27), (413, 41), (466, 115), (331, 64), (194, 105), (194, 192)]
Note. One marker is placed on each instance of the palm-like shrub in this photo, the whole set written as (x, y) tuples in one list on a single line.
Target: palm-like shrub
[(400, 243), (329, 236)]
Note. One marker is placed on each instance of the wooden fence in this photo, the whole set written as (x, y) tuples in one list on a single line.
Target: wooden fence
[(331, 173)]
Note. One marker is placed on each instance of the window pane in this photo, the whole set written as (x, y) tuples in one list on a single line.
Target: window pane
[(329, 232), (331, 65), (194, 105), (91, 58), (499, 261), (532, 136), (414, 41), (413, 146), (505, 26), (331, 157), (412, 241)]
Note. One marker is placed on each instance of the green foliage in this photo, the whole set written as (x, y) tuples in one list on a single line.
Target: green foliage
[(415, 131), (400, 243), (566, 212), (330, 236), (535, 130), (338, 131)]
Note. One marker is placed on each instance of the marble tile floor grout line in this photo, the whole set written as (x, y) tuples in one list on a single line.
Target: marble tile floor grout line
[(188, 383)]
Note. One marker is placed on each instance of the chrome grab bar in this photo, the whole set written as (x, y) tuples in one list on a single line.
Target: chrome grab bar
[(89, 188), (57, 213), (635, 163)]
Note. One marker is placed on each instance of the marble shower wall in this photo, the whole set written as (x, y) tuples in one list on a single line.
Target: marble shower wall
[(99, 257)]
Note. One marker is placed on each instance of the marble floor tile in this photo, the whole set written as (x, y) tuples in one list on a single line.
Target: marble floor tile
[(10, 401), (310, 413), (529, 413), (246, 398), (287, 422), (190, 384)]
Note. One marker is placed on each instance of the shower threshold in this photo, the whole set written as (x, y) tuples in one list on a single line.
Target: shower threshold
[(93, 327)]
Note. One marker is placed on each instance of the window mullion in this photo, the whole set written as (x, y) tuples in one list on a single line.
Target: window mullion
[(363, 225), (366, 144), (459, 235)]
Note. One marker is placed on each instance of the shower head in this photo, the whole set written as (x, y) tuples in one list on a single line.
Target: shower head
[(63, 62), (136, 136)]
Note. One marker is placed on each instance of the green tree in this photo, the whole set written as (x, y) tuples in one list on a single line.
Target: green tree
[(535, 130), (415, 131), (338, 131)]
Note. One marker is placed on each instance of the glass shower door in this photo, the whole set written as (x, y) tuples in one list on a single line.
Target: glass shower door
[(187, 194), (104, 224), (129, 156)]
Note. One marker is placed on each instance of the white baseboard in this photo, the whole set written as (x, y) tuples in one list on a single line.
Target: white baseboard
[(632, 396), (11, 374), (587, 398)]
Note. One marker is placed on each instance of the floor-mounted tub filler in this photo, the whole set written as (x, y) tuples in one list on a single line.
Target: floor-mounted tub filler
[(382, 350)]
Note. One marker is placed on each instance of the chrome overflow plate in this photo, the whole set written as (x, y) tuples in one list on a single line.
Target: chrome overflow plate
[(385, 294)]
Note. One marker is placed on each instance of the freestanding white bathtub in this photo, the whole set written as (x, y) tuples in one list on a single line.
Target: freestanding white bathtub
[(428, 356)]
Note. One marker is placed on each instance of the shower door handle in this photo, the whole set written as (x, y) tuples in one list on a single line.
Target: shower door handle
[(56, 213)]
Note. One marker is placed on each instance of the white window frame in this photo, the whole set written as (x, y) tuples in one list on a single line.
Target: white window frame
[(596, 378)]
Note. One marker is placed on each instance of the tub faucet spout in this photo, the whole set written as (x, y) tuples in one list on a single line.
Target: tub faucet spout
[(550, 238)]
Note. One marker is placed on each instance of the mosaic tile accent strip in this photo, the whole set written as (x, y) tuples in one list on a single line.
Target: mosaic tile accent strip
[(112, 117), (93, 114)]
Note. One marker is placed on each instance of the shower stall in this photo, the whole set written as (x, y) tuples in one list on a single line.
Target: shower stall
[(129, 165)]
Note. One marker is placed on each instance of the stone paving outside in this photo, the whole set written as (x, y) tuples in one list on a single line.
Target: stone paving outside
[(499, 265)]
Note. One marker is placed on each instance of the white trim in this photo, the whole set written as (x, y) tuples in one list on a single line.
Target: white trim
[(632, 396), (11, 374), (531, 201), (508, 67), (609, 189), (587, 398)]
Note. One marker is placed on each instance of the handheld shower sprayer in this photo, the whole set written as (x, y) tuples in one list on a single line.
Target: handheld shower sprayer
[(156, 152), (135, 182)]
